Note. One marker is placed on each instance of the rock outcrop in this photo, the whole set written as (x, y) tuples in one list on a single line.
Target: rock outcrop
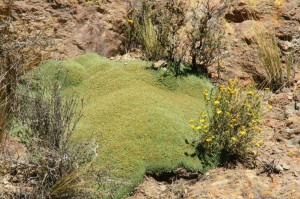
[(73, 26)]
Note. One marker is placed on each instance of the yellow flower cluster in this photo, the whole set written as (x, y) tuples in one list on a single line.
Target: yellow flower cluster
[(234, 120), (130, 21)]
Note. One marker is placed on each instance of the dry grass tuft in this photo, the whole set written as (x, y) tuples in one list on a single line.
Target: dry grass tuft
[(276, 75)]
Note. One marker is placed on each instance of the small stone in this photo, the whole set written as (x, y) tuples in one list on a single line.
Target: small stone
[(278, 168), (15, 179), (297, 106), (163, 188), (10, 187), (221, 182), (164, 69), (160, 63), (285, 166), (5, 181), (285, 45)]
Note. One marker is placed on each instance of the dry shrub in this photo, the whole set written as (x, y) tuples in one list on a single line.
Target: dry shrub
[(275, 74), (140, 30), (205, 37), (156, 27), (18, 52), (48, 121), (170, 17)]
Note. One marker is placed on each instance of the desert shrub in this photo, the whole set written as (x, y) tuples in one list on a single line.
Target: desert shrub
[(62, 168), (140, 30), (204, 38), (169, 18), (18, 52), (274, 73), (233, 126), (157, 26)]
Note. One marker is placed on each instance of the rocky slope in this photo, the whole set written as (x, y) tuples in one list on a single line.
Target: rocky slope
[(281, 17), (73, 26), (278, 172)]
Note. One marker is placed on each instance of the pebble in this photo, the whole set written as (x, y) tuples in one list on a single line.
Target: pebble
[(5, 181), (285, 166), (278, 168)]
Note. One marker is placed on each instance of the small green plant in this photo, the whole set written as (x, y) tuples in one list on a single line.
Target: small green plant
[(233, 126)]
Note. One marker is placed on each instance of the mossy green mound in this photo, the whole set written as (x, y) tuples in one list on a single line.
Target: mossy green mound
[(141, 124)]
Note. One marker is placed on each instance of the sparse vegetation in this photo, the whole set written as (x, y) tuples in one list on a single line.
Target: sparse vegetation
[(48, 122), (162, 29), (204, 37), (18, 52), (140, 30), (276, 75), (233, 126), (170, 17)]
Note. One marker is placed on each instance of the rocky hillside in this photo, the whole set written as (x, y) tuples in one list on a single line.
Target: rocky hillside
[(280, 17), (278, 173), (73, 26), (79, 26)]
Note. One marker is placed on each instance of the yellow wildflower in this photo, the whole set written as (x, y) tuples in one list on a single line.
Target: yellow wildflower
[(198, 127), (216, 102), (208, 140), (219, 111), (243, 132), (202, 120), (130, 21), (233, 139), (260, 143), (270, 106), (193, 126), (231, 81), (250, 93), (257, 128)]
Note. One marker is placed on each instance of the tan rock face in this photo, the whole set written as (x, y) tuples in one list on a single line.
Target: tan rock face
[(241, 56), (74, 27)]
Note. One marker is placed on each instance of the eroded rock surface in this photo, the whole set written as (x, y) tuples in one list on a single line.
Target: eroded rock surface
[(74, 26)]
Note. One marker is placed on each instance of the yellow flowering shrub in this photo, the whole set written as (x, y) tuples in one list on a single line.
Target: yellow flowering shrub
[(232, 127)]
